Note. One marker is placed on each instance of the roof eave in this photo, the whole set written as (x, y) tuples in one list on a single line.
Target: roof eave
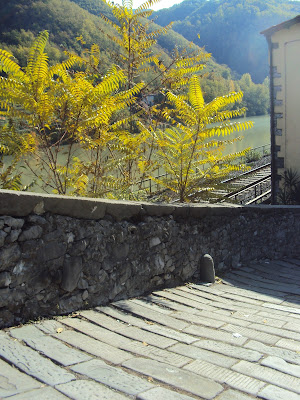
[(284, 25)]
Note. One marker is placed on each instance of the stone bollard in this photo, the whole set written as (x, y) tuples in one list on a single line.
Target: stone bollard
[(207, 269)]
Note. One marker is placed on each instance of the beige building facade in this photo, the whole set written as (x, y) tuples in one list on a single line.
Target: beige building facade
[(284, 58)]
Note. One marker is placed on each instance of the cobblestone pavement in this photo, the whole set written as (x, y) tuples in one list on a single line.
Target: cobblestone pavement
[(238, 339)]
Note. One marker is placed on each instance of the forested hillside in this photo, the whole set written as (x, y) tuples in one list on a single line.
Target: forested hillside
[(84, 133), (230, 29), (22, 20)]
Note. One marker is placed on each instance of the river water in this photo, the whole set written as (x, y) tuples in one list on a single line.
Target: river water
[(257, 136)]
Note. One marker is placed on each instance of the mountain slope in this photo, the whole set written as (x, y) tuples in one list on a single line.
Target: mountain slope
[(21, 20), (230, 29)]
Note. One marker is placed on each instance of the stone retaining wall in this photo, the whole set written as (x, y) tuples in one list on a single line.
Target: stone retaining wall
[(61, 254)]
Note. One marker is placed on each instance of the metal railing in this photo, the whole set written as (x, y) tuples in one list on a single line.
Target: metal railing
[(153, 186), (150, 184), (260, 151), (256, 189), (249, 190)]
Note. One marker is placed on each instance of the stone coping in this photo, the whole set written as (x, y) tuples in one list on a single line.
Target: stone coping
[(21, 204)]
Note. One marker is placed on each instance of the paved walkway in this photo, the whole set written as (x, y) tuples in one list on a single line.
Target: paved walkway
[(238, 339)]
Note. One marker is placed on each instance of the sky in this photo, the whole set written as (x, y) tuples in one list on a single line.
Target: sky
[(157, 6)]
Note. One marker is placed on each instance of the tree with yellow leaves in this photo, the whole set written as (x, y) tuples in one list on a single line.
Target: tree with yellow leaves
[(65, 118), (110, 137), (190, 151), (136, 36)]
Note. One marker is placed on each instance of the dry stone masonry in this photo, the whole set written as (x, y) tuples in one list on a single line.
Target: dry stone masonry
[(61, 254)]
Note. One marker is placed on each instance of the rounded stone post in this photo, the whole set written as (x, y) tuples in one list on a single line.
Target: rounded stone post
[(207, 269)]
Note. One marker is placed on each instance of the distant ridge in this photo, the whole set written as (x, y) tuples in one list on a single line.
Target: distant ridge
[(230, 29)]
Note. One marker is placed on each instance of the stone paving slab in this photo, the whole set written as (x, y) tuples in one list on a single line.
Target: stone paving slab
[(266, 374), (203, 332), (271, 392), (128, 331), (229, 297), (94, 347), (269, 282), (288, 267), (279, 307), (289, 344), (295, 300), (292, 262), (202, 354), (188, 301), (185, 380), (147, 326), (292, 302), (293, 327), (155, 316), (143, 349), (237, 339), (13, 381), (89, 390), (247, 300), (205, 296), (48, 346), (95, 331), (246, 293), (280, 332), (224, 375), (49, 325), (284, 317), (194, 319), (136, 347), (273, 288), (233, 395), (172, 305), (149, 304), (295, 316), (285, 354), (45, 393), (163, 394), (206, 316), (113, 377), (250, 286), (285, 271), (214, 301), (234, 306), (252, 334), (263, 276), (281, 276), (281, 365), (260, 318), (224, 317), (32, 363), (229, 350)]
